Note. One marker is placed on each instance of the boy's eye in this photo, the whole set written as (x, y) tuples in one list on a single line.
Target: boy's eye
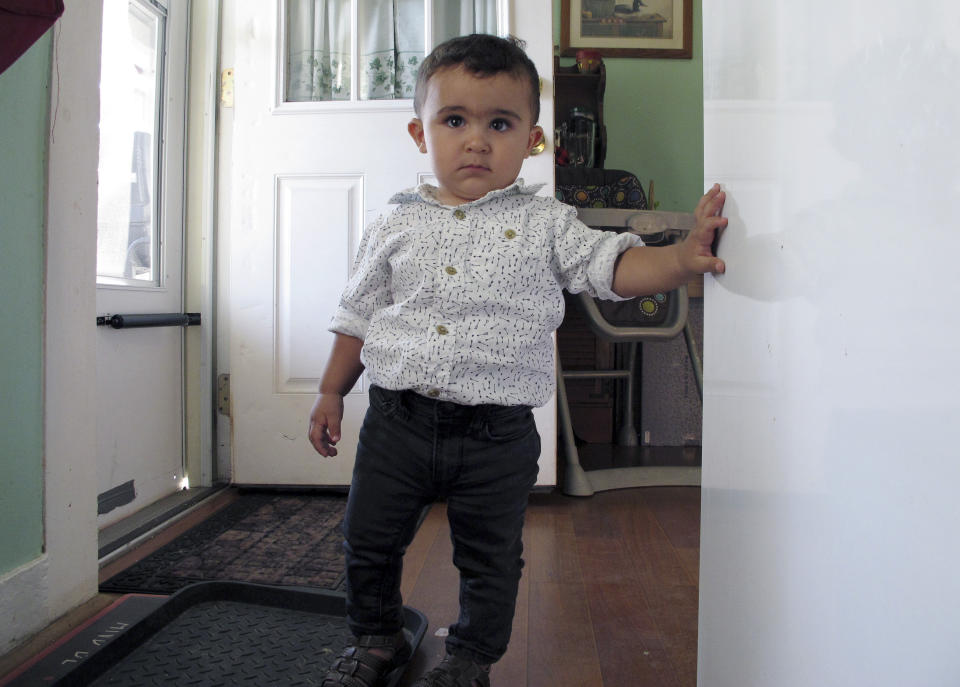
[(454, 121), (499, 125)]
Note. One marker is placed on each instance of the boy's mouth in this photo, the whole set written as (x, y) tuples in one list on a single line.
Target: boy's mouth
[(475, 167)]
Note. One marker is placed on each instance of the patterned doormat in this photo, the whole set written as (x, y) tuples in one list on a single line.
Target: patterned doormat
[(267, 538)]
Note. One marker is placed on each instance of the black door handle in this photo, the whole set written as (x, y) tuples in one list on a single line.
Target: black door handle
[(170, 319)]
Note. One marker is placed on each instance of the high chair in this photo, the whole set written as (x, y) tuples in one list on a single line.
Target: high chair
[(645, 326)]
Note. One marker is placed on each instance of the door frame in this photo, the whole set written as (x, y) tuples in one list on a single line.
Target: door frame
[(200, 241)]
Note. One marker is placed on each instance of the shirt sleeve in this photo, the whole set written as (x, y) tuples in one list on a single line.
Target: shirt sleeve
[(584, 258), (368, 288)]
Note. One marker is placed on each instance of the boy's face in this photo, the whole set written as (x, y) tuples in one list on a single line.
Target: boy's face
[(476, 130)]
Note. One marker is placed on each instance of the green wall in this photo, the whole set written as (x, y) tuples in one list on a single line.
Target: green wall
[(24, 107), (653, 109)]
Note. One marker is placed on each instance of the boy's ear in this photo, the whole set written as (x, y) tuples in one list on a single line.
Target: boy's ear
[(536, 139), (415, 129)]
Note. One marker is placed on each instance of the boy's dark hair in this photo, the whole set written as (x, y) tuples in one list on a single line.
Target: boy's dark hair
[(483, 55)]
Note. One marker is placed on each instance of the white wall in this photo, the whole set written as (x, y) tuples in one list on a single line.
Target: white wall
[(70, 356), (66, 574), (830, 468)]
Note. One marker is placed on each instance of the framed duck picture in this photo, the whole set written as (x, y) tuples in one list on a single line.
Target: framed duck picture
[(627, 28)]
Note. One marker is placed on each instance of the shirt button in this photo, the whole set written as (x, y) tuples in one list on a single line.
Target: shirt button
[(433, 393), (451, 271), (510, 234), (459, 214), (441, 330)]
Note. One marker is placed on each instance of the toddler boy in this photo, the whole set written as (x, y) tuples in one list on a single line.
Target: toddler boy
[(450, 310)]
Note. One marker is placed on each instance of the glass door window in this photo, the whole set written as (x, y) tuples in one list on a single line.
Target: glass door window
[(328, 60), (131, 85), (452, 18)]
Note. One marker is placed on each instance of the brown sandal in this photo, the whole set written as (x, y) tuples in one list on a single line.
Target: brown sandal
[(357, 666), (455, 671)]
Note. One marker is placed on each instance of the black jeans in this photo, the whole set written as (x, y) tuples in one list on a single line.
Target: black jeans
[(483, 461)]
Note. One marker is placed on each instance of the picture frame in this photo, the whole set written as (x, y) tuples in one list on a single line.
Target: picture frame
[(627, 28)]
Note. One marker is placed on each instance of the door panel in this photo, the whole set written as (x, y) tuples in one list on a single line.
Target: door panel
[(829, 487), (139, 426), (305, 179), (303, 343)]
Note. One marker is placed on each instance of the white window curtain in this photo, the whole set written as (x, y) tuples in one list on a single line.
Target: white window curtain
[(453, 18), (318, 50), (391, 47), (391, 44)]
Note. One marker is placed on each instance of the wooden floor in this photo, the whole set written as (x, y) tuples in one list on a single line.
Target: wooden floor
[(608, 596)]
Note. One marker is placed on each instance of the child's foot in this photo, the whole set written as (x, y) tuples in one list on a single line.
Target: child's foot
[(455, 671), (367, 662)]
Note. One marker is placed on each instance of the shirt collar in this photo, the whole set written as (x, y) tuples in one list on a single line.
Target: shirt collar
[(427, 193)]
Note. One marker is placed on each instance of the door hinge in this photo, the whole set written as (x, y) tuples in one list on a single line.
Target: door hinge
[(223, 394), (226, 87)]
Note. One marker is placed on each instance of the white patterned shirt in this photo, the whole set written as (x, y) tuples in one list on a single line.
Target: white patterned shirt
[(459, 303)]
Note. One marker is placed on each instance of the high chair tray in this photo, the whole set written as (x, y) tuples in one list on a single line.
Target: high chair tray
[(232, 633)]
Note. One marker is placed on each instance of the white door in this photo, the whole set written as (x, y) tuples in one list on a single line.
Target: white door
[(306, 178), (830, 471), (139, 253)]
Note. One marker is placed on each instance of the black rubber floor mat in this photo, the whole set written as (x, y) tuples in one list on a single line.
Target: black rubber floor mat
[(82, 642), (232, 634)]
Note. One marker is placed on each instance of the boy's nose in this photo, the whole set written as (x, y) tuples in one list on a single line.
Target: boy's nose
[(477, 142)]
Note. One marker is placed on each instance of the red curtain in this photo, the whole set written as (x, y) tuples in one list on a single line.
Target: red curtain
[(22, 22)]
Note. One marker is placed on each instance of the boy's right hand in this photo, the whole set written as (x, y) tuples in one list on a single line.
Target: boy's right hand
[(325, 423)]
